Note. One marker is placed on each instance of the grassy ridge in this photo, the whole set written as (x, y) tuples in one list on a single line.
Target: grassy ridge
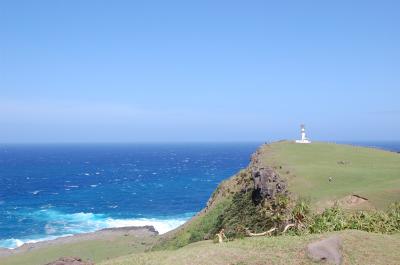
[(370, 173), (359, 248)]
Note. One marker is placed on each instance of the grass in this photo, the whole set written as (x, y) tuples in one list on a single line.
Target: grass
[(196, 230), (359, 248), (367, 172), (95, 250)]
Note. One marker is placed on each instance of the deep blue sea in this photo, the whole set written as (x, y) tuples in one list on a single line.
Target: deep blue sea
[(48, 191)]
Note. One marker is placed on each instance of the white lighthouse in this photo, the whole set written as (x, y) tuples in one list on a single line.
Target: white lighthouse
[(304, 139)]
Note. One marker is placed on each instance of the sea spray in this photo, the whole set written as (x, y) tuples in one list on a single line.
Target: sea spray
[(59, 224)]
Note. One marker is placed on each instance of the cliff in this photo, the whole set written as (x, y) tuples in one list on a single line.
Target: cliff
[(264, 194)]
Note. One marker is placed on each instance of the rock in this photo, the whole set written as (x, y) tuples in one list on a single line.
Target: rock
[(329, 250), (267, 184), (70, 261)]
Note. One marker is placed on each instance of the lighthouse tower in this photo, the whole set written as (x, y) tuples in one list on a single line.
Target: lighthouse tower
[(304, 139)]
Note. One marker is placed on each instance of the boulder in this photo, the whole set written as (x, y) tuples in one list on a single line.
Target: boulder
[(326, 250), (70, 261)]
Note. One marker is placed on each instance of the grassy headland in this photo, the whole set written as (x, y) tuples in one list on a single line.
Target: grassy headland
[(370, 173)]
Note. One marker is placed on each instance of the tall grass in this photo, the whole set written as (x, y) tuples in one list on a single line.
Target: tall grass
[(240, 214), (335, 219)]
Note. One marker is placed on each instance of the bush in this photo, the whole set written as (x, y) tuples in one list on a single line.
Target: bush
[(332, 219), (335, 219), (240, 214), (243, 214)]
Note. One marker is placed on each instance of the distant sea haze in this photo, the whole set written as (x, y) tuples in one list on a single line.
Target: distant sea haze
[(49, 191)]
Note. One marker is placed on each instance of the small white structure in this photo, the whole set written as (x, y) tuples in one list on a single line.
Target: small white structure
[(304, 139)]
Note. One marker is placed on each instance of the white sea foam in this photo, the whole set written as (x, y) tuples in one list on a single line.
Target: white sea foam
[(12, 243), (60, 224), (162, 226)]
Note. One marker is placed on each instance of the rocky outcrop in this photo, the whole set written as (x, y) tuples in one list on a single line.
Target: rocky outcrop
[(267, 182), (70, 261), (107, 233), (327, 250)]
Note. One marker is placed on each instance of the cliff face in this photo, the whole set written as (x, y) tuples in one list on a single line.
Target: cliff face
[(267, 182), (262, 180)]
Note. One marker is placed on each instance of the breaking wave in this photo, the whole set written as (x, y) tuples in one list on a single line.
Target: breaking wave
[(58, 224)]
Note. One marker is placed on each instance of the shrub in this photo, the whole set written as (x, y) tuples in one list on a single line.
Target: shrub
[(335, 219), (332, 219), (240, 214)]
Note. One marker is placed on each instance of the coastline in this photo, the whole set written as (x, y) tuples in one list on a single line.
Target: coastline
[(95, 222), (106, 233)]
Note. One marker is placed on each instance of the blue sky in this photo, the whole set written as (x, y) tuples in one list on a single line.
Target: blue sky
[(131, 71)]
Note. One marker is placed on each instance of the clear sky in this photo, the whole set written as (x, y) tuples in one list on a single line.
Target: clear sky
[(131, 71)]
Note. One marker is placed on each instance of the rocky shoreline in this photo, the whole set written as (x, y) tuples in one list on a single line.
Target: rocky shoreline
[(107, 233)]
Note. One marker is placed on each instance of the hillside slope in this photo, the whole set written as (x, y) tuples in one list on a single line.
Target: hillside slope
[(324, 173), (359, 248)]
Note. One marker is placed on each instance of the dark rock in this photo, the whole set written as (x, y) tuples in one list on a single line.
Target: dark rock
[(267, 182), (70, 261), (326, 250)]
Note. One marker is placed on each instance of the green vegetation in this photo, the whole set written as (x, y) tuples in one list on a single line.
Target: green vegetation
[(336, 219), (243, 215), (198, 229), (371, 173), (358, 248)]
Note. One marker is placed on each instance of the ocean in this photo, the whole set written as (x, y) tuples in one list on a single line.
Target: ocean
[(50, 191)]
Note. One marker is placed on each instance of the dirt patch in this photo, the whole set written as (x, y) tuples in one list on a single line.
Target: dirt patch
[(70, 261), (352, 200), (348, 202)]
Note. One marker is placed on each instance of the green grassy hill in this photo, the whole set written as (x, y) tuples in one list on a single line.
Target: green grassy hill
[(371, 173)]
